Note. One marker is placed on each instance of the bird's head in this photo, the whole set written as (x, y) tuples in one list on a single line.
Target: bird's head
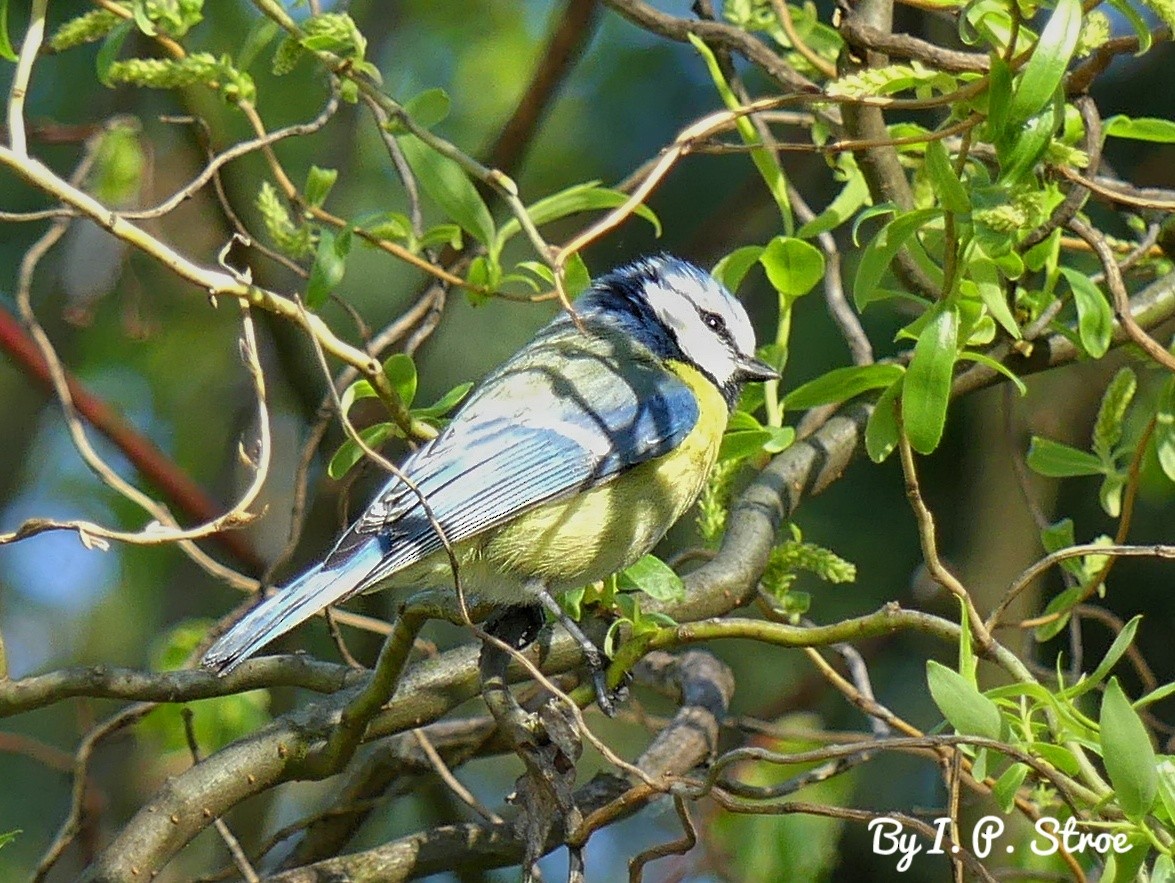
[(682, 312)]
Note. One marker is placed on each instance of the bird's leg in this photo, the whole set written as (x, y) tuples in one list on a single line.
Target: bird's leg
[(595, 659), (516, 626)]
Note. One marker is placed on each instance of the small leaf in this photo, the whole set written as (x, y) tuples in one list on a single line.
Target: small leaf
[(999, 367), (1121, 644), (1055, 460), (655, 578), (844, 205), (5, 44), (448, 185), (318, 184), (576, 277), (1095, 318), (1164, 869), (741, 444), (588, 196), (883, 247), (428, 108), (947, 186), (1128, 754), (1141, 129), (928, 380), (842, 384), (793, 266), (1043, 73), (109, 50), (1062, 605), (360, 389), (1109, 495), (350, 453), (1006, 786), (327, 272), (1165, 430), (441, 234), (401, 371), (965, 708), (881, 432), (445, 403), (732, 269), (385, 225), (986, 275)]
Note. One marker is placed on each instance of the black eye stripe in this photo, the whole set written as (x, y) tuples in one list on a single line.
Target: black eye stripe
[(716, 323)]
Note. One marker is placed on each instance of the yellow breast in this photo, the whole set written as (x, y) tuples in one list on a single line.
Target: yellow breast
[(585, 538)]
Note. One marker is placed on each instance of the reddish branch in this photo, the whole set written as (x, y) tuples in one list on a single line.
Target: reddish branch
[(152, 463)]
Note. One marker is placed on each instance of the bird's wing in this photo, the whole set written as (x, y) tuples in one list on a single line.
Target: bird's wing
[(570, 412)]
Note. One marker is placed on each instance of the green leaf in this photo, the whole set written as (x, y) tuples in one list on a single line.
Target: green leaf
[(1121, 644), (1142, 27), (1059, 756), (441, 234), (5, 44), (884, 246), (350, 453), (260, 35), (928, 380), (1109, 495), (999, 367), (330, 263), (965, 708), (732, 269), (8, 836), (445, 403), (740, 444), (385, 225), (360, 389), (793, 266), (1095, 318), (1164, 869), (576, 277), (1055, 460), (986, 276), (947, 186), (1006, 786), (428, 108), (109, 50), (401, 371), (655, 578), (589, 196), (1128, 754), (1062, 605), (318, 184), (448, 185), (1165, 429), (841, 384), (1029, 141), (1042, 74), (881, 431), (1141, 129), (844, 205)]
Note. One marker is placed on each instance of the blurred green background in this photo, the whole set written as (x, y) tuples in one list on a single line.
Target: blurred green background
[(158, 352)]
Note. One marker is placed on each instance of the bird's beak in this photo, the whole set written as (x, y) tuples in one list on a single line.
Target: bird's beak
[(750, 368)]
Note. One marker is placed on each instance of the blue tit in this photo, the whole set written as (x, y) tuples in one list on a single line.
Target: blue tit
[(566, 465)]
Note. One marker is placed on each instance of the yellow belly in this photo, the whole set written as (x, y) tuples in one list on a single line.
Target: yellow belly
[(573, 542)]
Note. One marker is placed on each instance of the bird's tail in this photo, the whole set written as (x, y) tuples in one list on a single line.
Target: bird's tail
[(314, 590)]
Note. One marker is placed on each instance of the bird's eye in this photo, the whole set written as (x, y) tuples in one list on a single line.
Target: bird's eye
[(714, 321)]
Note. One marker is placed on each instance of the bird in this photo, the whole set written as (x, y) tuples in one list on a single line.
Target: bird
[(566, 465)]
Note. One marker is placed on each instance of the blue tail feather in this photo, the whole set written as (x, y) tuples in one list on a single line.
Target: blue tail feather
[(297, 602)]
